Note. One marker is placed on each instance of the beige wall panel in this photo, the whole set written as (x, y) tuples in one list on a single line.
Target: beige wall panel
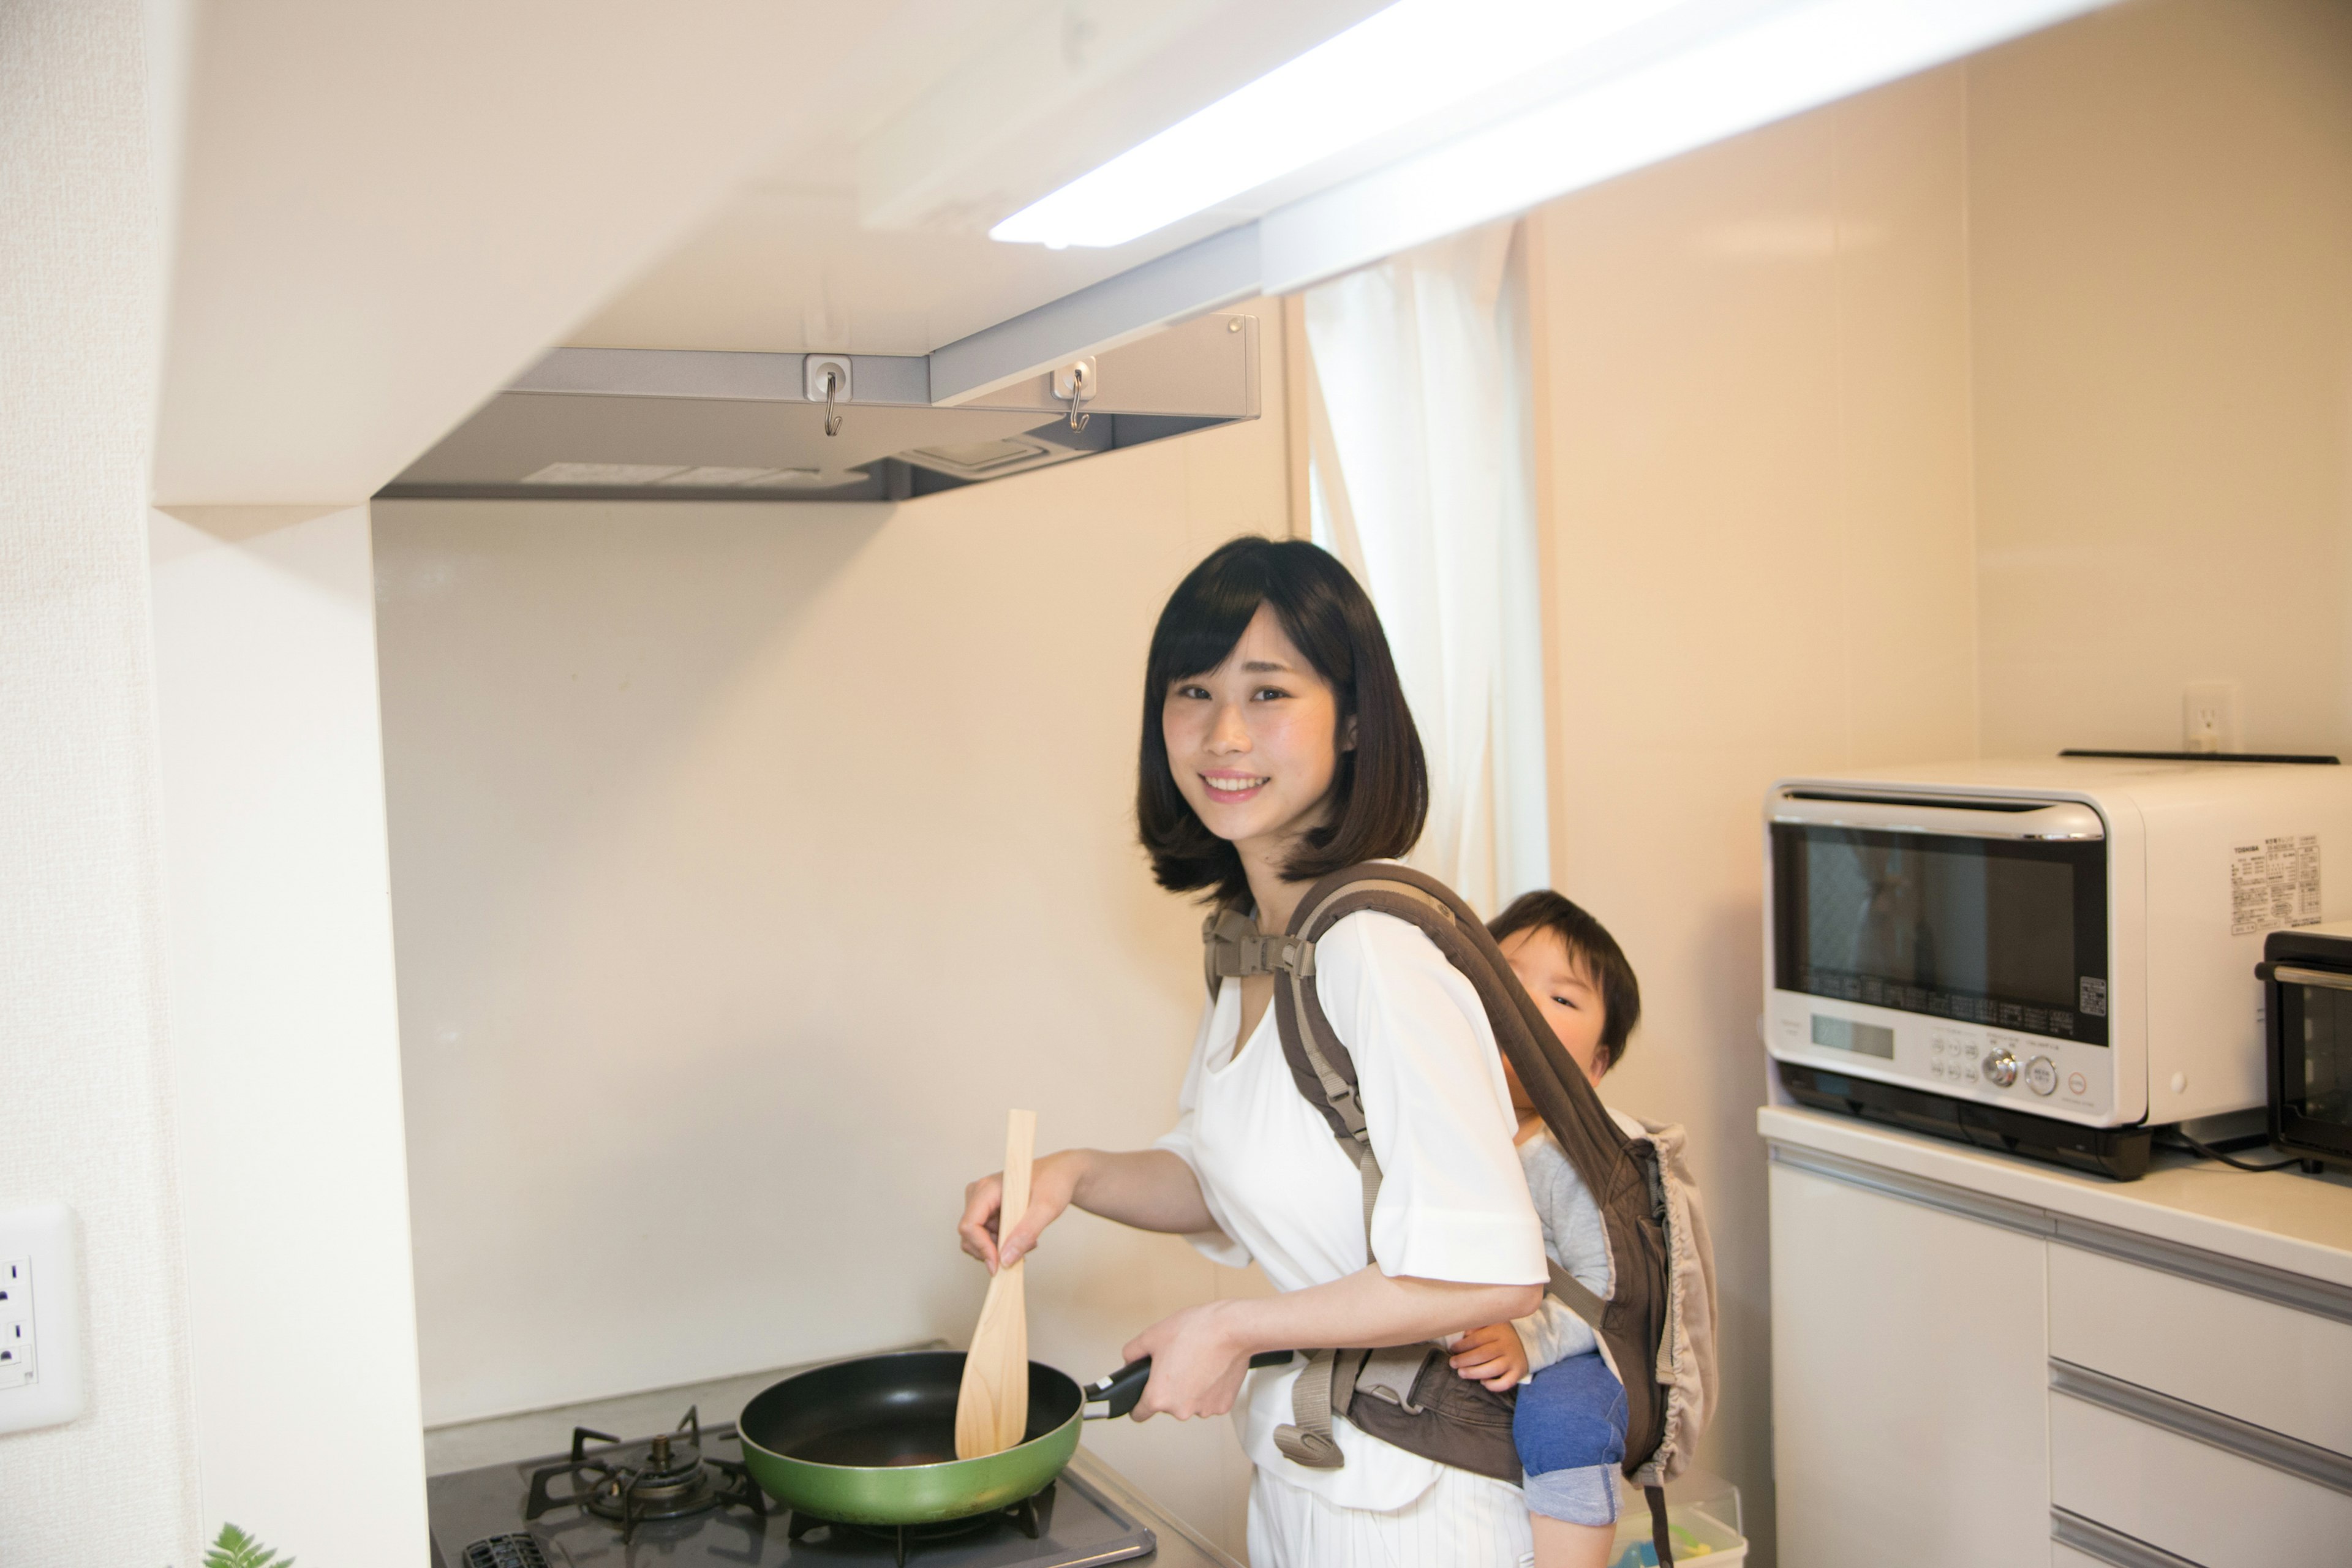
[(2162, 247), (1755, 425), (749, 862)]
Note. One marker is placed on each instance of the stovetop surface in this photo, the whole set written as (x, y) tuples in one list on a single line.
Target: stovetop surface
[(1081, 1527)]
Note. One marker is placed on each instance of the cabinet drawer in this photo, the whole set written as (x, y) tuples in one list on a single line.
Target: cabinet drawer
[(2255, 1360), (2186, 1497)]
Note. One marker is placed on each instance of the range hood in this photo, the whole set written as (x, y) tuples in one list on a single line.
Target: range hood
[(695, 424)]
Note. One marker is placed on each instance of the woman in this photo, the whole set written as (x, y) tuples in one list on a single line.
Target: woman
[(1276, 747)]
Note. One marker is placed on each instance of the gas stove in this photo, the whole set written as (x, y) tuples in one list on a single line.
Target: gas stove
[(682, 1498)]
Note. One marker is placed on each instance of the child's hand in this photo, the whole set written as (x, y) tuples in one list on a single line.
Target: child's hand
[(1492, 1355)]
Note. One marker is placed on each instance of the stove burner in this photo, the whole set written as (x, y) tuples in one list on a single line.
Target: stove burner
[(1032, 1516), (505, 1551), (671, 1480)]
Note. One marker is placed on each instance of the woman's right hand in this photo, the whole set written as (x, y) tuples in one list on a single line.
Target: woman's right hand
[(1053, 1181)]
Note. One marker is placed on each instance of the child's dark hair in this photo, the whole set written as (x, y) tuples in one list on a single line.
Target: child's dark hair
[(1589, 943)]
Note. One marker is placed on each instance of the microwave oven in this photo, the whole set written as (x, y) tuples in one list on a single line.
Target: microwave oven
[(2048, 957)]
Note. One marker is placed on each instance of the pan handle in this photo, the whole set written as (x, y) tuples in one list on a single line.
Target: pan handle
[(1116, 1395)]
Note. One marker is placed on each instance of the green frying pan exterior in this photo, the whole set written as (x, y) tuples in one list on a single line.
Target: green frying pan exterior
[(872, 1441)]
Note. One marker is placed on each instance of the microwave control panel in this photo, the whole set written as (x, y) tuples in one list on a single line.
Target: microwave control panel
[(2065, 1079)]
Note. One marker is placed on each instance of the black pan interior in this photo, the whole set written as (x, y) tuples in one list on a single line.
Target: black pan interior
[(885, 1410)]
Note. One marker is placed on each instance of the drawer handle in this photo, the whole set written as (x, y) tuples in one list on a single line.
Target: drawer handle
[(2307, 1461), (2092, 1538)]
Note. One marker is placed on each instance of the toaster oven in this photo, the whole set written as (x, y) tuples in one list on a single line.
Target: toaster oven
[(2307, 992), (2048, 957)]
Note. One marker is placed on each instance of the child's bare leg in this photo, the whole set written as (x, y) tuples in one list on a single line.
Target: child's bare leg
[(1559, 1544)]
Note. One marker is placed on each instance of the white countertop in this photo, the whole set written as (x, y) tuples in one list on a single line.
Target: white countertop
[(2284, 1220)]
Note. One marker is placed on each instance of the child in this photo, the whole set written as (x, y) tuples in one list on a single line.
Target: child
[(1571, 1421)]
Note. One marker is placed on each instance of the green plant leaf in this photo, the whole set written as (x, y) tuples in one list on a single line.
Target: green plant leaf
[(235, 1549)]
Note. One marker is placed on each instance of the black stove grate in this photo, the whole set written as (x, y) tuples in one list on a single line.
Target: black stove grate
[(1032, 1516), (506, 1552), (670, 1481)]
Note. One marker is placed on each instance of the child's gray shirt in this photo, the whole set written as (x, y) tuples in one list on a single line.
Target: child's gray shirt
[(1573, 1239)]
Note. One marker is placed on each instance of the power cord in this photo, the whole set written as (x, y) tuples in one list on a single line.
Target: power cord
[(2209, 1152)]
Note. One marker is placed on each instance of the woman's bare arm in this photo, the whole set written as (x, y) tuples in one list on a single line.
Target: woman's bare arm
[(1150, 1189), (1369, 1309), (1198, 1355)]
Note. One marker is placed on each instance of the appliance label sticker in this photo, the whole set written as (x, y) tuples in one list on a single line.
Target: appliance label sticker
[(2274, 883)]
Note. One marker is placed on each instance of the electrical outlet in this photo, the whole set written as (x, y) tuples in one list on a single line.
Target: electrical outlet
[(2208, 717), (40, 1318), (17, 1367)]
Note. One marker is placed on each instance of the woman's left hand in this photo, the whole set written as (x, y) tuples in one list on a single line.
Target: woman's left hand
[(1196, 1366)]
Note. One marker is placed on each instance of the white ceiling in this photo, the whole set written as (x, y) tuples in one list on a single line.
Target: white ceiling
[(386, 210)]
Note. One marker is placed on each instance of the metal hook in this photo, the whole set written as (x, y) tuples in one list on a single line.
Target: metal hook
[(1078, 393), (832, 415)]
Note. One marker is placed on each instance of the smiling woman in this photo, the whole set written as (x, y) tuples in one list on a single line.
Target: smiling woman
[(1273, 718), (1276, 747)]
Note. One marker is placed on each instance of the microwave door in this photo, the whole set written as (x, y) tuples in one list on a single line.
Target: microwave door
[(2002, 931)]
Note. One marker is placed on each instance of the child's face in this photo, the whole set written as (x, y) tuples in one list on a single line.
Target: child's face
[(1564, 990)]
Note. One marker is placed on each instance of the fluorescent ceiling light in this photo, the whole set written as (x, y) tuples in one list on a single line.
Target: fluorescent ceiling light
[(1414, 60), (1728, 76)]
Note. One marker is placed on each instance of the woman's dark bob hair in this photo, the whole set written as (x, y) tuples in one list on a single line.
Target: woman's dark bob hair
[(1381, 794)]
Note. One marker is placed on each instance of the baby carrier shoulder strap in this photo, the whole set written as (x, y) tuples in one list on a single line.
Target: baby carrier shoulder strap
[(1410, 1395)]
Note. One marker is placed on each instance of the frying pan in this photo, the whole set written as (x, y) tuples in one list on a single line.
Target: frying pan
[(872, 1441)]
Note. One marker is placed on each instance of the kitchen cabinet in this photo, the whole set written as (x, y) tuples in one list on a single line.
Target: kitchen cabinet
[(1981, 1360), (1907, 1366)]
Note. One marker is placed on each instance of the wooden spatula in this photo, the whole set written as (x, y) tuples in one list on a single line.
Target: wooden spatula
[(992, 1405)]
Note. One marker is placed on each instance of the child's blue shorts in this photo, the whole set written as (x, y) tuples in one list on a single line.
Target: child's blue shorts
[(1569, 1429)]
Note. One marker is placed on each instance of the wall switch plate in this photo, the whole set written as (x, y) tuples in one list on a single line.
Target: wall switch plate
[(2208, 717), (40, 1318)]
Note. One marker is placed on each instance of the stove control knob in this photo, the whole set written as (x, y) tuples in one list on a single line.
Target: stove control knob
[(2042, 1075), (2001, 1067)]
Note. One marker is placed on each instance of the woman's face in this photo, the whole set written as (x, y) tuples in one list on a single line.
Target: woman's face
[(1255, 743)]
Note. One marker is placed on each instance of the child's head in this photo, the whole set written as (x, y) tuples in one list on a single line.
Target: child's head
[(1577, 974)]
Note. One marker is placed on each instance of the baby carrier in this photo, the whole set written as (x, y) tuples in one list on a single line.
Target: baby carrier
[(1657, 1328)]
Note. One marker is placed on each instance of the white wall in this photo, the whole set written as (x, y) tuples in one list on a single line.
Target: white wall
[(1753, 440), (85, 1116), (1979, 412), (749, 863), (287, 1050), (2161, 246)]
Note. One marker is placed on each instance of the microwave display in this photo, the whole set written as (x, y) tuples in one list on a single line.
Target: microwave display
[(2008, 933)]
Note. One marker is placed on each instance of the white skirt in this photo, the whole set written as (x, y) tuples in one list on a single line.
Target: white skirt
[(1461, 1521)]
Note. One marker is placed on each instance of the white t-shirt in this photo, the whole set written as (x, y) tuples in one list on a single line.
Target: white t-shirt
[(1453, 1203)]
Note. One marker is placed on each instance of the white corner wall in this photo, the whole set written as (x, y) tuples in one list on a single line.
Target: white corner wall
[(749, 862), (286, 1042), (86, 1112), (1752, 433), (1978, 414), (2161, 208)]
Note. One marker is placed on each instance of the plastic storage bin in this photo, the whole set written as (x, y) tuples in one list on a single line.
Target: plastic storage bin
[(1702, 1512)]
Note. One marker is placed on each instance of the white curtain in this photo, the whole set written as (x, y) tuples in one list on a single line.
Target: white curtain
[(1421, 479)]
